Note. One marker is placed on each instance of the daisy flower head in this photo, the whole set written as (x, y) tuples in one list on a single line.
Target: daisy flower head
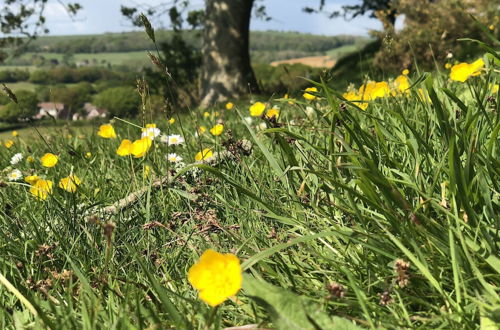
[(172, 140), (150, 132), (16, 158), (174, 158), (15, 175)]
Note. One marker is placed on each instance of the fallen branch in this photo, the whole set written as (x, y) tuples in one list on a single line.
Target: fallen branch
[(233, 151)]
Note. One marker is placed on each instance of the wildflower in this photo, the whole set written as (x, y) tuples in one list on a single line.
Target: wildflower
[(41, 188), (206, 114), (310, 111), (447, 66), (88, 155), (8, 144), (356, 99), (16, 158), (205, 154), (202, 129), (150, 132), (107, 131), (174, 158), (272, 113), (14, 133), (261, 126), (216, 276), (405, 72), (491, 27), (172, 140), (216, 114), (217, 130), (462, 71), (49, 160), (30, 159), (146, 172), (381, 89), (171, 120), (31, 179), (494, 88), (14, 175), (309, 96), (125, 148), (140, 147), (70, 183), (257, 109), (402, 83), (151, 125), (229, 105), (248, 120)]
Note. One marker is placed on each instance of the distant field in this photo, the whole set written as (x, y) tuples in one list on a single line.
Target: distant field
[(21, 85), (137, 59), (314, 61)]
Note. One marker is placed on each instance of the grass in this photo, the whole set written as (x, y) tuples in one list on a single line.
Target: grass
[(384, 218)]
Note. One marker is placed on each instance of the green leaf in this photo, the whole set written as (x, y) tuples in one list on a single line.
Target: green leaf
[(290, 311)]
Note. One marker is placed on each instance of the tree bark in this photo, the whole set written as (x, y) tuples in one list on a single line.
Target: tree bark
[(226, 71)]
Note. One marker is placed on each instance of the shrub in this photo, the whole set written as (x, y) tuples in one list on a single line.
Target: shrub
[(284, 77), (431, 31), (25, 108), (119, 101)]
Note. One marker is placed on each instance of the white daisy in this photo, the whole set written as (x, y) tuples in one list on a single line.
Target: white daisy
[(151, 132), (172, 140), (309, 111), (248, 120), (174, 158), (14, 175), (16, 158), (261, 127)]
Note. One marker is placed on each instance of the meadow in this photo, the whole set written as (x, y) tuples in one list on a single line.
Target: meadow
[(371, 207)]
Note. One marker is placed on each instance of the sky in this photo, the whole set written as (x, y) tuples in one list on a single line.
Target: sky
[(100, 16)]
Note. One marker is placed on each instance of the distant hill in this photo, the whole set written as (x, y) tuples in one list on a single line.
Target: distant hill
[(265, 46)]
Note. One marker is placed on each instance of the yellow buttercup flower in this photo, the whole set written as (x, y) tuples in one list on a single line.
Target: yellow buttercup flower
[(31, 179), (49, 160), (309, 96), (355, 98), (229, 105), (272, 113), (107, 131), (462, 71), (14, 133), (494, 89), (8, 144), (30, 159), (171, 120), (447, 66), (217, 130), (150, 125), (202, 129), (257, 109), (205, 154), (70, 183), (125, 148), (491, 27), (216, 276), (206, 114), (402, 83), (405, 72), (88, 155), (140, 147), (41, 188)]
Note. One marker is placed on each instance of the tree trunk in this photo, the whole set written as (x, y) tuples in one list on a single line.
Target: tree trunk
[(226, 71)]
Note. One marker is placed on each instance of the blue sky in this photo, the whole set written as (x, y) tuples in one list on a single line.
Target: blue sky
[(99, 16)]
